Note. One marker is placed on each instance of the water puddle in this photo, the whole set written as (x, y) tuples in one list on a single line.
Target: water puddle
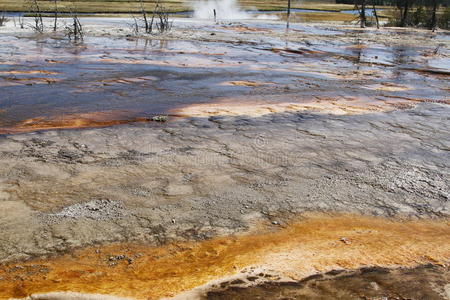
[(45, 80)]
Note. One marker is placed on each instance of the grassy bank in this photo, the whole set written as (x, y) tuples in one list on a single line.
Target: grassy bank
[(121, 6)]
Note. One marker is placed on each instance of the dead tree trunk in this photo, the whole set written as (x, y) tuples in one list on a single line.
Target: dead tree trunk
[(153, 16), (77, 28), (405, 12), (433, 23), (363, 14), (288, 14), (38, 22), (144, 15), (375, 14), (56, 16)]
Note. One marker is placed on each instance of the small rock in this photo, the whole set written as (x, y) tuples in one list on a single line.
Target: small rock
[(345, 240), (374, 285), (160, 118), (237, 281), (275, 223)]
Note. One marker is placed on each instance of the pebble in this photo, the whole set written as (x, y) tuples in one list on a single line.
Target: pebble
[(160, 118), (345, 240)]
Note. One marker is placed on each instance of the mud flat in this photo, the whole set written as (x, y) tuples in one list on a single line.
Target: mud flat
[(368, 283), (322, 152)]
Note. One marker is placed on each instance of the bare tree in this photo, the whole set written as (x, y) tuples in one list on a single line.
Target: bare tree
[(163, 24), (159, 20), (375, 14), (360, 6), (148, 28), (135, 26), (75, 31), (56, 16), (404, 6), (363, 14), (433, 22), (3, 19), (36, 11), (288, 14), (21, 21)]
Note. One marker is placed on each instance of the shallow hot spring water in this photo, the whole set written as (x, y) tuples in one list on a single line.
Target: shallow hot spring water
[(206, 70), (51, 83)]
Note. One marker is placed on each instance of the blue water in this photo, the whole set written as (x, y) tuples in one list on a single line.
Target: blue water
[(369, 12)]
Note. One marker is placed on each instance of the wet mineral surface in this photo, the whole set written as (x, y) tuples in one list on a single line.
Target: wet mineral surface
[(278, 137), (424, 282), (114, 77)]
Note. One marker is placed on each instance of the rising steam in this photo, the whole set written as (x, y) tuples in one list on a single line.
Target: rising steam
[(225, 9)]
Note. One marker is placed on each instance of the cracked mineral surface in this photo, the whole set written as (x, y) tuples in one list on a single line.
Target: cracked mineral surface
[(281, 157)]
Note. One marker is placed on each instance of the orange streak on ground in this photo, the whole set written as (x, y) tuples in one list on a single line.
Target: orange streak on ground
[(17, 72), (311, 245), (73, 121), (12, 81), (245, 83), (191, 63)]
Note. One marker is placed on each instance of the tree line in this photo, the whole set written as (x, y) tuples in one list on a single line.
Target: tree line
[(423, 13), (395, 2)]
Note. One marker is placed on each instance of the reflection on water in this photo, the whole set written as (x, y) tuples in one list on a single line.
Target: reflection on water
[(42, 79), (369, 12)]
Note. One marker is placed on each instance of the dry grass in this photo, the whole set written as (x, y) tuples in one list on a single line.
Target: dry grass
[(122, 6), (320, 17)]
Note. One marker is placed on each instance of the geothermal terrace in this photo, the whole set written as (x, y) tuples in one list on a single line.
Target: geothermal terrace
[(224, 160)]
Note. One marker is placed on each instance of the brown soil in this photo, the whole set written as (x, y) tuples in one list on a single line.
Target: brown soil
[(424, 282)]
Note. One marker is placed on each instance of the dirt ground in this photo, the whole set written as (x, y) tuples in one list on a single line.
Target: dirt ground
[(370, 283), (258, 134)]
